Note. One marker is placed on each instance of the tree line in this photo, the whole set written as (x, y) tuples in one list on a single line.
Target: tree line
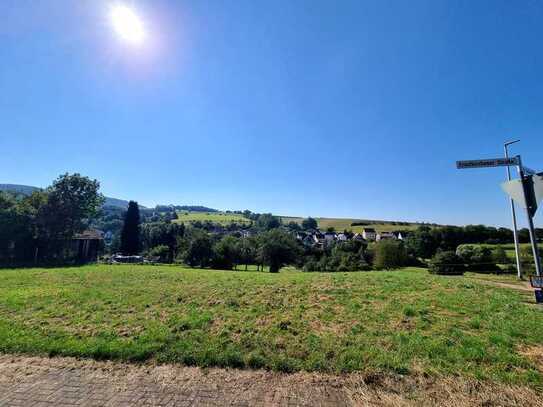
[(39, 228)]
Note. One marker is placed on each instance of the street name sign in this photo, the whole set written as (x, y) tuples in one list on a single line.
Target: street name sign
[(489, 162)]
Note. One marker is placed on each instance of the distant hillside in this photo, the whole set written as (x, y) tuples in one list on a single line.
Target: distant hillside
[(18, 189), (27, 190), (356, 225)]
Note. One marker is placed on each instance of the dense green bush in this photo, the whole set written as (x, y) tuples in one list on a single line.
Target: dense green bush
[(389, 254), (446, 263), (477, 258), (161, 253), (341, 256), (500, 256), (226, 253), (277, 249)]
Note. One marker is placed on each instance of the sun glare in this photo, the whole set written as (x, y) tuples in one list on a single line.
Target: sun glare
[(127, 24)]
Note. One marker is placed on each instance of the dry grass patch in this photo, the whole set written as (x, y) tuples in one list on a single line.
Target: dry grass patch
[(393, 322)]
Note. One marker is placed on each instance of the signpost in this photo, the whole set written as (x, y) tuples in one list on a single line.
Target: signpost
[(513, 211), (528, 191), (491, 162)]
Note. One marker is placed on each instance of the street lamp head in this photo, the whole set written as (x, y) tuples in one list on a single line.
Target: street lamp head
[(508, 143)]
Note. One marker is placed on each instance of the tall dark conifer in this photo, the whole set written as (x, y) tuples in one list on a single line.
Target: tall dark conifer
[(130, 235)]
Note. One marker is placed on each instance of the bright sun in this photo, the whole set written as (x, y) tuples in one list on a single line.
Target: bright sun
[(127, 24)]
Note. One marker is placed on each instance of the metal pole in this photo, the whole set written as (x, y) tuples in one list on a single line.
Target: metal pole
[(514, 216), (533, 239)]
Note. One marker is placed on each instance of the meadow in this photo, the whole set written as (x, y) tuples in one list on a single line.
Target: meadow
[(222, 218), (341, 224), (509, 248), (403, 321)]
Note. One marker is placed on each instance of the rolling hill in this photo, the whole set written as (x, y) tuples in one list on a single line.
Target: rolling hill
[(189, 214), (27, 190), (340, 224)]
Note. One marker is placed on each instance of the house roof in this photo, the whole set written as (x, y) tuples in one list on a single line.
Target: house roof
[(90, 234), (372, 230)]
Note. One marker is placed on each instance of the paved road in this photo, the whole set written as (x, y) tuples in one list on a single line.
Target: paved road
[(59, 382), (34, 381)]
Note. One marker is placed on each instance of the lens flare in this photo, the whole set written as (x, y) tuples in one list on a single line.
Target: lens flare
[(127, 24)]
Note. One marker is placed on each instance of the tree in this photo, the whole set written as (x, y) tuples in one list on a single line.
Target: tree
[(421, 243), (199, 251), (294, 226), (389, 254), (130, 234), (309, 223), (16, 238), (73, 200), (62, 210), (342, 256), (248, 248), (277, 249), (42, 225), (477, 258), (162, 234), (500, 256), (226, 253), (446, 263), (267, 221), (197, 248), (162, 252)]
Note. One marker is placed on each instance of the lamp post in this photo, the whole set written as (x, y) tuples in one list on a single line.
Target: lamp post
[(513, 214)]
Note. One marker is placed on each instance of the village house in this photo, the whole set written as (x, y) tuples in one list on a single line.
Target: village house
[(318, 239), (87, 245), (369, 234), (385, 236), (359, 237), (400, 235), (329, 237)]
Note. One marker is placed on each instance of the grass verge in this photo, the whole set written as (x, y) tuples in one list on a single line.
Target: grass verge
[(402, 321)]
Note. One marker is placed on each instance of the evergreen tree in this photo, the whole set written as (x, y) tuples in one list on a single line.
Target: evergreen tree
[(130, 235)]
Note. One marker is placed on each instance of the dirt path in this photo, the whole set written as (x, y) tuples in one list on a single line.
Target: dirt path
[(35, 381), (521, 285)]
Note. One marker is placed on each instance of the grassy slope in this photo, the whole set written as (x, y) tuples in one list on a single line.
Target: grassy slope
[(341, 224), (393, 321), (509, 248), (216, 217), (338, 223)]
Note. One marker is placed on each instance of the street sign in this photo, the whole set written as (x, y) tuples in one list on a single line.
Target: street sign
[(536, 281), (490, 162), (528, 195)]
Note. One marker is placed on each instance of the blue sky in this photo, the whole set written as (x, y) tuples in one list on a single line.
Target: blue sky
[(323, 108)]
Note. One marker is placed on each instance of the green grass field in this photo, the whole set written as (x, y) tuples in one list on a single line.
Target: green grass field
[(341, 224), (216, 217), (402, 321), (509, 248), (338, 224)]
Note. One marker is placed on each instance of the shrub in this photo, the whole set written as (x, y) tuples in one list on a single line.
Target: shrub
[(499, 256), (478, 258), (226, 253), (162, 252), (389, 255), (447, 263)]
